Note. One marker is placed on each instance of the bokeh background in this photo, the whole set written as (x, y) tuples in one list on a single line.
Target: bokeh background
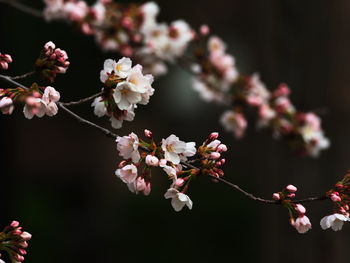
[(57, 177)]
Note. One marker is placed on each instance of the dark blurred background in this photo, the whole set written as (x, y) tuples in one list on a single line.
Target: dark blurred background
[(58, 176)]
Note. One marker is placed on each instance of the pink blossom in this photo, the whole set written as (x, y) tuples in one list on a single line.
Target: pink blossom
[(128, 147)]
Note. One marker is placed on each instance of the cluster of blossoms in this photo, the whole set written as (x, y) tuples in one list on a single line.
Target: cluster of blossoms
[(51, 61), (5, 59), (340, 196), (130, 29), (13, 240), (124, 87), (297, 216), (133, 31), (171, 155), (38, 100)]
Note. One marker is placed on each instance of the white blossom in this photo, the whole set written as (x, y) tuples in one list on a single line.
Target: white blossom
[(172, 147), (178, 200), (335, 221), (128, 147), (127, 174), (99, 107)]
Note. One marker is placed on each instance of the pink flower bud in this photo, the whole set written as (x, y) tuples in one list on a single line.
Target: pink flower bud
[(22, 251), (179, 182), (7, 58), (290, 195), (291, 188), (222, 148), (19, 257), (335, 197), (300, 209), (342, 210), (148, 133), (50, 45), (276, 196), (215, 155), (122, 164), (346, 207), (23, 244), (213, 136), (4, 65), (147, 189), (204, 30), (26, 236), (14, 224)]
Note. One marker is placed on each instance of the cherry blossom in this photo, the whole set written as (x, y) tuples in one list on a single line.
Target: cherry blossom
[(128, 147), (178, 200), (335, 221)]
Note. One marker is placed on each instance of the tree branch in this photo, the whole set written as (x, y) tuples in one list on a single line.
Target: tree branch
[(82, 100), (24, 8), (26, 75), (112, 135)]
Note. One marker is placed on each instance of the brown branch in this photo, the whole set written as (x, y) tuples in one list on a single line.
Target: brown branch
[(112, 135), (26, 75), (11, 81), (107, 132), (81, 100), (24, 8)]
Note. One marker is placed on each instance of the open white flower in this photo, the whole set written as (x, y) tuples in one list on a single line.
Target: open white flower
[(334, 221), (178, 200), (172, 147), (99, 107), (126, 115), (50, 97), (189, 151), (302, 224), (124, 96), (127, 174), (128, 147), (120, 69)]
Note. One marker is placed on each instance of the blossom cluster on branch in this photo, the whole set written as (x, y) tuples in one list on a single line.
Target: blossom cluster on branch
[(171, 155), (133, 31), (13, 241)]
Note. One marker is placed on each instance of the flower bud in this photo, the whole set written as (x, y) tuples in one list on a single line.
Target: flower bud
[(215, 155), (204, 30), (222, 148), (122, 164), (148, 133), (213, 136), (26, 236), (179, 182), (291, 188), (290, 195), (14, 224), (276, 196), (335, 197), (300, 208)]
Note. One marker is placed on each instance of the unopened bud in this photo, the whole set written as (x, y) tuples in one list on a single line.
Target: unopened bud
[(179, 182), (291, 188), (14, 224), (148, 133), (215, 155), (291, 195), (26, 236), (213, 136), (122, 164), (204, 30), (276, 196), (335, 197), (222, 148), (300, 208)]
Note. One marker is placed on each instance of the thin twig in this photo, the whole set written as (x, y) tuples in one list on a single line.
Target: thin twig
[(26, 75), (24, 8), (107, 132), (82, 100), (11, 81)]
